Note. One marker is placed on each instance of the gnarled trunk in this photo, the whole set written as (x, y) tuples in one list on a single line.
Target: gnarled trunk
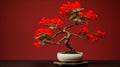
[(71, 49)]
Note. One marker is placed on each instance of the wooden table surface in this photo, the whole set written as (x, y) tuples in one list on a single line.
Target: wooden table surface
[(46, 63)]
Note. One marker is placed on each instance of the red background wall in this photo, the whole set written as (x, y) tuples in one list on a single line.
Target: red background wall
[(19, 18)]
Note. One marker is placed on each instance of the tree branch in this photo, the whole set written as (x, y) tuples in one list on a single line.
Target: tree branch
[(51, 42), (59, 29), (58, 42), (78, 36), (72, 25), (56, 34)]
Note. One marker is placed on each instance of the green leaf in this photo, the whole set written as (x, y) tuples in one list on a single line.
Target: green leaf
[(84, 34), (48, 25), (78, 19), (74, 11), (72, 16), (77, 10), (47, 41), (43, 36), (75, 19), (43, 42), (48, 38), (78, 13)]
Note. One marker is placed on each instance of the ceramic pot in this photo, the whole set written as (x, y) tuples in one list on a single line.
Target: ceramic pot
[(70, 57)]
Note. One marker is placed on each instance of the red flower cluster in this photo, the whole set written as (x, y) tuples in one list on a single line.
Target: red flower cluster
[(74, 5), (93, 36), (82, 14), (56, 21), (83, 30), (100, 34), (89, 15), (38, 33), (51, 23), (66, 9), (44, 21), (37, 44), (41, 31)]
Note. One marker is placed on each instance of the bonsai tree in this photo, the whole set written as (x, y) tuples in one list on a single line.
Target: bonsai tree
[(73, 11)]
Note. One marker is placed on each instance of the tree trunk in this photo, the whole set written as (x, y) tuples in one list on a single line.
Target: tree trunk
[(71, 49)]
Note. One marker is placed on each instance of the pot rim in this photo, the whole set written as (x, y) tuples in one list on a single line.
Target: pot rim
[(69, 53)]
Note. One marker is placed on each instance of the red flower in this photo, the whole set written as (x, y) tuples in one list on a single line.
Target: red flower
[(92, 37), (44, 21), (37, 44), (51, 23), (90, 15), (74, 5), (43, 31), (100, 33), (56, 21), (66, 9), (83, 30), (81, 14)]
